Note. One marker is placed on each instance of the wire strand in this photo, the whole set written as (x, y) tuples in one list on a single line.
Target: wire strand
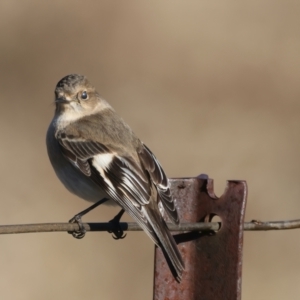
[(254, 225)]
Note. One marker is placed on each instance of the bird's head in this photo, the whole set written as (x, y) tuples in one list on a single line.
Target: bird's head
[(75, 95)]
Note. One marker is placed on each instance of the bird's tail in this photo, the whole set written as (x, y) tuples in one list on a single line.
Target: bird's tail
[(167, 243)]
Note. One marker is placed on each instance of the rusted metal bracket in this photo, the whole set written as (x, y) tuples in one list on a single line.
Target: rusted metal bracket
[(213, 261)]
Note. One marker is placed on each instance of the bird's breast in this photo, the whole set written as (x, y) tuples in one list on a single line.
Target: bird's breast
[(71, 177)]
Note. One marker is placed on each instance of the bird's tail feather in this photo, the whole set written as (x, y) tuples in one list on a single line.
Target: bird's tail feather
[(167, 244)]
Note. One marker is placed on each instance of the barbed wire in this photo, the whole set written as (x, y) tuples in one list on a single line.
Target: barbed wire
[(254, 225)]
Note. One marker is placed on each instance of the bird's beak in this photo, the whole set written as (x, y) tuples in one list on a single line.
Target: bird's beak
[(61, 99)]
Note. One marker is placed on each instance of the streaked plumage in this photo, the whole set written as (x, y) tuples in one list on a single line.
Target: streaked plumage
[(95, 154)]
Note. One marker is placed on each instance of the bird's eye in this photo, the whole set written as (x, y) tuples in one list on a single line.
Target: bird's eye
[(84, 95)]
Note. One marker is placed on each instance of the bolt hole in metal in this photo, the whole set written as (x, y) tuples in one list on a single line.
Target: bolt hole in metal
[(213, 218)]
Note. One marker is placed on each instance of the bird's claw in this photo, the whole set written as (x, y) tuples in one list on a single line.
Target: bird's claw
[(77, 234), (117, 231)]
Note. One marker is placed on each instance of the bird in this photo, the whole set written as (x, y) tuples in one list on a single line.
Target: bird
[(98, 157)]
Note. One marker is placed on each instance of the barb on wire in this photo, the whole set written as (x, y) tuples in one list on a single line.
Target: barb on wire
[(254, 225)]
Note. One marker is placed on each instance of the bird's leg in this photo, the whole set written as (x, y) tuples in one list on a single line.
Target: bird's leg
[(79, 234), (117, 232)]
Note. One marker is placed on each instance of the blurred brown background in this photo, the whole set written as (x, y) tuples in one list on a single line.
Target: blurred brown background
[(210, 86)]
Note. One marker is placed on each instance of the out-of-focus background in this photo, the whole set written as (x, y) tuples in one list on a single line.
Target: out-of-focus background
[(210, 86)]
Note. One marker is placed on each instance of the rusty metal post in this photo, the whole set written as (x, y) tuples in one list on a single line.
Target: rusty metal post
[(213, 261)]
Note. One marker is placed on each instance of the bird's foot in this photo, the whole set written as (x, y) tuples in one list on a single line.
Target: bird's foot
[(117, 231), (78, 234)]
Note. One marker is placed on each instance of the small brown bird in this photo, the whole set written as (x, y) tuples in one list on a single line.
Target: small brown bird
[(97, 156)]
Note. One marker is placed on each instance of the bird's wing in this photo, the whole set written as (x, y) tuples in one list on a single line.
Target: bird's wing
[(135, 186), (160, 180), (120, 177)]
